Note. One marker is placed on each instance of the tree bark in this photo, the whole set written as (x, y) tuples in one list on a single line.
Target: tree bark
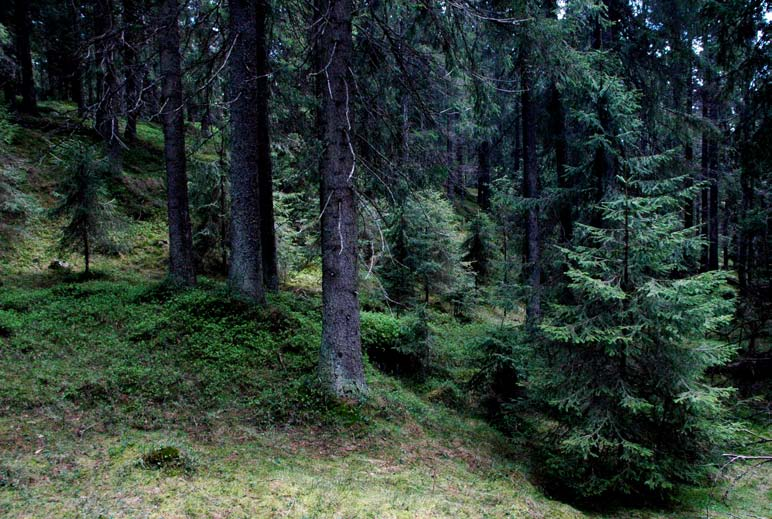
[(265, 165), (531, 194), (340, 359), (24, 55), (181, 269), (713, 223), (560, 146), (73, 67), (132, 69), (108, 101), (484, 176), (709, 206), (689, 150), (245, 275)]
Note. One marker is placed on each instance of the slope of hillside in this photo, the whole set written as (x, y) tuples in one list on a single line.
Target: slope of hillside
[(121, 398)]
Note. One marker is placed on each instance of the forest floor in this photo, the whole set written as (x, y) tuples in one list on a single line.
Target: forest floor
[(122, 399)]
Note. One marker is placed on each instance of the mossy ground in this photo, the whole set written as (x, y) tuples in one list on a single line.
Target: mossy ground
[(99, 372)]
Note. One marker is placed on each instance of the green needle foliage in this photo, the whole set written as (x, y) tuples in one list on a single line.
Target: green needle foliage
[(426, 247), (621, 366), (91, 222)]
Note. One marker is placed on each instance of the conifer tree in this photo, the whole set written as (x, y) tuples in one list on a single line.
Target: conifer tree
[(621, 363), (83, 200)]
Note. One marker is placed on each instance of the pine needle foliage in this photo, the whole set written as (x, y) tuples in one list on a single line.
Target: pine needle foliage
[(621, 362), (91, 222), (426, 248)]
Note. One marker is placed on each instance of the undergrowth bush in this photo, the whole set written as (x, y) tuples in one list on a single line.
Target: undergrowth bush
[(397, 345)]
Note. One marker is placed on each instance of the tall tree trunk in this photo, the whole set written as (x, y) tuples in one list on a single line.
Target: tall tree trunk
[(245, 275), (560, 145), (265, 166), (132, 69), (180, 242), (24, 55), (517, 144), (744, 248), (340, 359), (484, 176), (531, 194), (86, 252), (108, 101), (74, 68), (713, 217), (689, 150)]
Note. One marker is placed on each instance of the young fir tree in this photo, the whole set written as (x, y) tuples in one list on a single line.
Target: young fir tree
[(622, 358), (481, 250), (426, 250), (91, 221)]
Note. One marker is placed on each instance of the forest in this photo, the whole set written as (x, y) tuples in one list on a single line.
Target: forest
[(385, 258)]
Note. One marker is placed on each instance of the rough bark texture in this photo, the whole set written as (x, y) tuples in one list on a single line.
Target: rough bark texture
[(75, 61), (132, 69), (713, 223), (265, 166), (180, 242), (531, 193), (560, 145), (245, 275), (689, 151), (484, 176), (24, 55), (709, 173), (340, 358), (108, 102)]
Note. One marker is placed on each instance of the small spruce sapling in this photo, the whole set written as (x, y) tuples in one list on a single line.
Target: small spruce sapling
[(91, 223), (426, 248)]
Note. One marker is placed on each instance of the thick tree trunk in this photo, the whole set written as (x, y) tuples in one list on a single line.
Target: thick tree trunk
[(689, 151), (531, 194), (713, 223), (180, 242), (24, 55), (74, 68), (560, 146), (517, 144), (132, 69), (108, 102), (484, 176), (86, 252), (245, 275), (340, 359), (405, 155), (265, 166)]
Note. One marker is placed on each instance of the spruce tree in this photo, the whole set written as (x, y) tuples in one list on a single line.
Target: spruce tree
[(621, 362), (90, 217)]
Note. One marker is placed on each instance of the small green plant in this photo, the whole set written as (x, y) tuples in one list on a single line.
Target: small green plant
[(92, 223), (210, 213), (169, 459), (398, 345), (8, 129)]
